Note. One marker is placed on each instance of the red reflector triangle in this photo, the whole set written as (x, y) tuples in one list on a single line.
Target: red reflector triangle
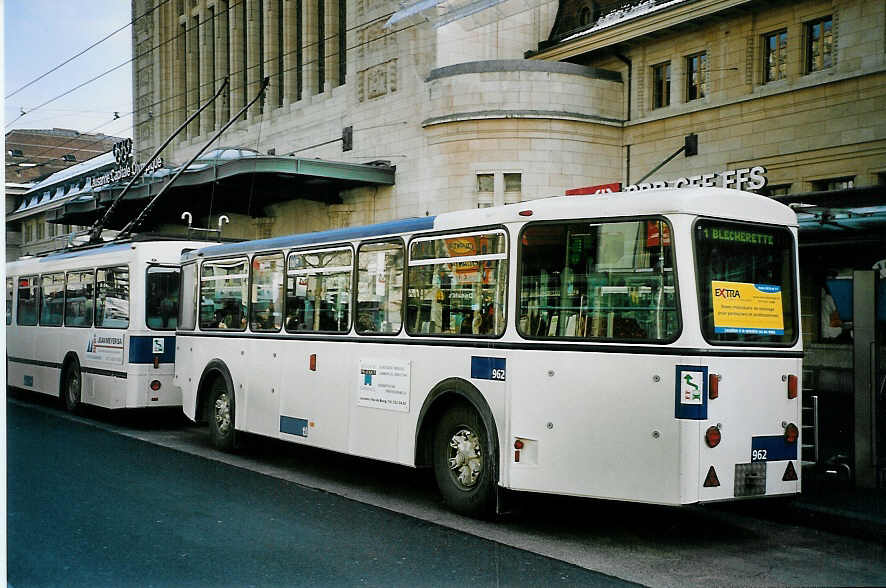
[(790, 473), (711, 479)]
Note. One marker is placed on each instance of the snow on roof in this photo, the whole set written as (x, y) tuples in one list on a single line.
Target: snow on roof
[(624, 14), (75, 170)]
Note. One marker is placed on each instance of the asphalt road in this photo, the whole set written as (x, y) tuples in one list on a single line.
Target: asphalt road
[(88, 507), (181, 517)]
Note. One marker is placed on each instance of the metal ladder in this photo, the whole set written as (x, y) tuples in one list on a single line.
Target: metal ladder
[(809, 454)]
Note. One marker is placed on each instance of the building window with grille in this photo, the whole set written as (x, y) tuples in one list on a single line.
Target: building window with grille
[(696, 76), (661, 84), (485, 190), (833, 184), (819, 44), (41, 230), (775, 50), (513, 187), (28, 233)]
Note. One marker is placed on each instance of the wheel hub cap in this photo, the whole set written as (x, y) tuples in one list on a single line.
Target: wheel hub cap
[(223, 414), (465, 458)]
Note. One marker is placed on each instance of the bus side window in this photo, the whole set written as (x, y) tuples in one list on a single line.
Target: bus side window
[(112, 297), (52, 299), (187, 313), (79, 299), (380, 288), (223, 294), (10, 290), (266, 305), (27, 301), (318, 291), (457, 285)]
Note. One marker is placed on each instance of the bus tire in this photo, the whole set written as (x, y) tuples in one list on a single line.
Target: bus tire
[(464, 465), (72, 386), (221, 415)]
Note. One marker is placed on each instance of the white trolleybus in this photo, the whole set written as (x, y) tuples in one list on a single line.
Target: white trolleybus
[(634, 346), (96, 325)]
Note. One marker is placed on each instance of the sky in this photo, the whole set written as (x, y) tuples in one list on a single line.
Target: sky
[(41, 34)]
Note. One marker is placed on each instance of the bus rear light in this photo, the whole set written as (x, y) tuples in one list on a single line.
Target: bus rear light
[(525, 213), (518, 444), (155, 385), (713, 386), (791, 433), (712, 437), (792, 386)]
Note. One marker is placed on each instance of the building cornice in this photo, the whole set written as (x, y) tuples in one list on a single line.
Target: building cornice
[(659, 20)]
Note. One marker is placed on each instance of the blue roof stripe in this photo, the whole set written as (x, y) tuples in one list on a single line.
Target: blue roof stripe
[(85, 252), (407, 225)]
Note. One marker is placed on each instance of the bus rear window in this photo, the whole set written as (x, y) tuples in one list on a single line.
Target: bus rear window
[(604, 281), (161, 297), (746, 289)]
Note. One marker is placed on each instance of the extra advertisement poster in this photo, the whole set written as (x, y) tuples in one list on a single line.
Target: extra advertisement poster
[(384, 383), (747, 309)]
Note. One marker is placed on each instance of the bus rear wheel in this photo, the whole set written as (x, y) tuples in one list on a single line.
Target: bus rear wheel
[(463, 463), (72, 385), (221, 415)]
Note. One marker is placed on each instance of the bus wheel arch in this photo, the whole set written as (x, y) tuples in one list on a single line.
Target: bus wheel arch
[(216, 403), (70, 383), (457, 401)]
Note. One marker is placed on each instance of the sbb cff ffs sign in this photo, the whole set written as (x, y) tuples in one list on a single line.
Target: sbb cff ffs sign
[(599, 189)]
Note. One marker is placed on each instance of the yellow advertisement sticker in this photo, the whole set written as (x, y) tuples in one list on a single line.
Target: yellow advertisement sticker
[(747, 309)]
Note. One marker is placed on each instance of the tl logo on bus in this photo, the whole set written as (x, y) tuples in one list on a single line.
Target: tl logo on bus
[(690, 388)]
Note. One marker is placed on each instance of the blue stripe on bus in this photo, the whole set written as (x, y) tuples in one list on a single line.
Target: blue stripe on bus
[(294, 426), (141, 349), (775, 446), (407, 225)]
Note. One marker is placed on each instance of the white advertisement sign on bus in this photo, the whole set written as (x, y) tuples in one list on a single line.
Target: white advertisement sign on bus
[(384, 383), (107, 348)]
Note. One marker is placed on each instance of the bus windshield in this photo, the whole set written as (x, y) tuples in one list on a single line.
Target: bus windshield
[(746, 289)]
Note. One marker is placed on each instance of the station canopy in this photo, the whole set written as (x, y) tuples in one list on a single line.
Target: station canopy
[(840, 217), (223, 181)]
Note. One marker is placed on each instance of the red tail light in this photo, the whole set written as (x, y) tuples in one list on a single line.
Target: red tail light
[(792, 386), (712, 437), (155, 385), (791, 433)]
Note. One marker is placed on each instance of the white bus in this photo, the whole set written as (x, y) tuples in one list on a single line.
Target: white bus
[(96, 325), (634, 346)]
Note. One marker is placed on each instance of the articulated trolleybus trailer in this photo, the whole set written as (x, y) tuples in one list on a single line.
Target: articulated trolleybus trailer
[(96, 325), (642, 347)]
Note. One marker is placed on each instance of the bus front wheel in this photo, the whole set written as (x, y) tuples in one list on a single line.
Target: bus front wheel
[(221, 415), (463, 463), (72, 386)]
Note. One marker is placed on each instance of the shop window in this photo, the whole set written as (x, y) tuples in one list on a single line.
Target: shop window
[(819, 44), (833, 184), (696, 76), (661, 85), (775, 49)]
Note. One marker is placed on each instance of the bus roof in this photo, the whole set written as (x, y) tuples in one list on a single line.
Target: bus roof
[(714, 202)]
